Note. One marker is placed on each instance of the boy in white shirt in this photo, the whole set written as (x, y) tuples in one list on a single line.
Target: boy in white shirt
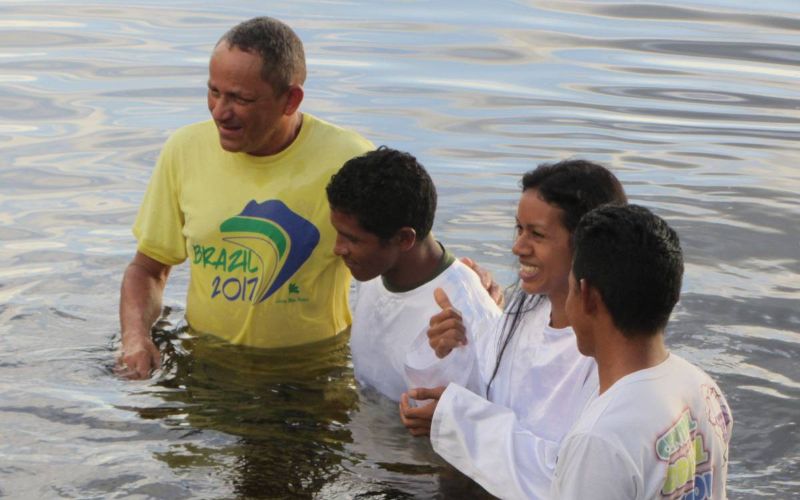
[(660, 426), (382, 207)]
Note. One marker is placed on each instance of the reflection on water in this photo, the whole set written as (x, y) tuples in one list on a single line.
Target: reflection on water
[(288, 411), (692, 102), (292, 420)]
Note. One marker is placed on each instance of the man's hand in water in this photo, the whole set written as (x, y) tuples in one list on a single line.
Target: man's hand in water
[(139, 307), (138, 357), (418, 419), (489, 284), (447, 329)]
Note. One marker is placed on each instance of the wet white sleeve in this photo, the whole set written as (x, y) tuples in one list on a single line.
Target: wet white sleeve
[(486, 442), (423, 369), (590, 467)]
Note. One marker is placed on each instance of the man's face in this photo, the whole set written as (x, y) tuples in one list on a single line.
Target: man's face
[(576, 315), (249, 116), (363, 253)]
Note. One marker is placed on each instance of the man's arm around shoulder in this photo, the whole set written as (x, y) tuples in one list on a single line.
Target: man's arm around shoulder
[(139, 307)]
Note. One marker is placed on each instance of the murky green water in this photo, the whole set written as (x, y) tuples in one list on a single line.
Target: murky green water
[(694, 104)]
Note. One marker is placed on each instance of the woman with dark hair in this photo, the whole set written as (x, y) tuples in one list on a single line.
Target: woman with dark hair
[(535, 382)]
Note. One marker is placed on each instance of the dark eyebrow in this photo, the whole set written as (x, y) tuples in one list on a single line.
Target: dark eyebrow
[(346, 234), (526, 226), (349, 236)]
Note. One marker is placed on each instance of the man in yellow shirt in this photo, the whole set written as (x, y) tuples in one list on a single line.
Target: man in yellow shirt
[(241, 197)]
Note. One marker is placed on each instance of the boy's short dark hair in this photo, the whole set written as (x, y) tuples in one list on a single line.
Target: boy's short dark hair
[(385, 190), (634, 259)]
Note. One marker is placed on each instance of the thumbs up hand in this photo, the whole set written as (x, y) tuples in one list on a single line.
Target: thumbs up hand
[(441, 298), (447, 329)]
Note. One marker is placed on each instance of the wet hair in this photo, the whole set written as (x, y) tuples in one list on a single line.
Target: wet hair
[(385, 190), (283, 60), (574, 186), (634, 260)]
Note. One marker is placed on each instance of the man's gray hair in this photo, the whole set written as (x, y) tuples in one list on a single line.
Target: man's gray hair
[(281, 50)]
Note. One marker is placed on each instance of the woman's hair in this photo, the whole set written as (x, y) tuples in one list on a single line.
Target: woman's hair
[(575, 187)]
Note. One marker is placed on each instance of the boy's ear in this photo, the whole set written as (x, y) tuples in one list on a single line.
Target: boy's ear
[(590, 298), (405, 237)]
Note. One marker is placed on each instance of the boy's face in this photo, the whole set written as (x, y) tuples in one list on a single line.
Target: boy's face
[(578, 319), (363, 253)]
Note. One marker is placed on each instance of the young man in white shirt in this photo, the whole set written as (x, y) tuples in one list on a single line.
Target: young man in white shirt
[(660, 426), (382, 207)]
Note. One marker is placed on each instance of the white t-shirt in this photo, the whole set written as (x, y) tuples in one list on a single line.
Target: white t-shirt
[(386, 325), (662, 432), (509, 445)]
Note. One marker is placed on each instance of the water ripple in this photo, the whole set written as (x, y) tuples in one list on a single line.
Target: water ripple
[(693, 105)]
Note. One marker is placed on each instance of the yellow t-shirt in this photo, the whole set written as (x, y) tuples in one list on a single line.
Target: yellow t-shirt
[(256, 231)]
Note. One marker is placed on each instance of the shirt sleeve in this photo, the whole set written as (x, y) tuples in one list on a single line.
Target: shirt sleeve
[(590, 467), (461, 365), (481, 316), (159, 224), (423, 369), (486, 442)]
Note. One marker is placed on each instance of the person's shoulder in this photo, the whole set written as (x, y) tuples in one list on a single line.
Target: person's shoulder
[(679, 363), (371, 286), (597, 417), (193, 133), (608, 414), (341, 135), (681, 367), (366, 291), (695, 380), (462, 274), (315, 121), (664, 390)]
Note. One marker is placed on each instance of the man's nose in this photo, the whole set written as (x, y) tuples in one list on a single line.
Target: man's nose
[(220, 108)]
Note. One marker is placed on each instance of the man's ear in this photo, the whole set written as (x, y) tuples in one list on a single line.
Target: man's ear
[(405, 237), (294, 96)]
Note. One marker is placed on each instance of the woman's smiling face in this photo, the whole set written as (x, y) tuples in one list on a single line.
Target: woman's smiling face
[(543, 247)]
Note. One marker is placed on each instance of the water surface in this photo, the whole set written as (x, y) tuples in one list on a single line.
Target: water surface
[(694, 104)]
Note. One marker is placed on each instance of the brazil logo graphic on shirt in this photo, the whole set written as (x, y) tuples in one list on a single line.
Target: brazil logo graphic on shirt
[(279, 239)]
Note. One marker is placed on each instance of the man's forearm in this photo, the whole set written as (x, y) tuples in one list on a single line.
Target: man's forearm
[(140, 301), (141, 296), (139, 307)]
